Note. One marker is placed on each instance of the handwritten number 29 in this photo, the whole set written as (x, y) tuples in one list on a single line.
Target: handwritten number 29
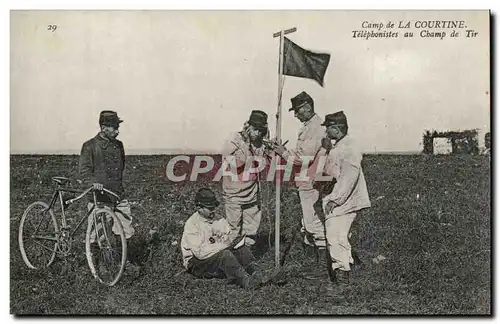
[(52, 28)]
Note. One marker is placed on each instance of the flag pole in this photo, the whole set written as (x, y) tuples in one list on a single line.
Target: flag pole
[(278, 139), (281, 34)]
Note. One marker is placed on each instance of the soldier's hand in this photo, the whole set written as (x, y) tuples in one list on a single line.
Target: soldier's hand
[(326, 143), (97, 186), (244, 132), (279, 149), (329, 207)]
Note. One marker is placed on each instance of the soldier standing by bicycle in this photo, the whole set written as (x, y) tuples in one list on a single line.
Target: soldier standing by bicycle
[(101, 164)]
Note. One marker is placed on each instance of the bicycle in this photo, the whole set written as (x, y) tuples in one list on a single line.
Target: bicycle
[(106, 253)]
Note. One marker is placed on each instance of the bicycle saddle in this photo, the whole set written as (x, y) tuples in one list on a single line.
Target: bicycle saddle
[(61, 180)]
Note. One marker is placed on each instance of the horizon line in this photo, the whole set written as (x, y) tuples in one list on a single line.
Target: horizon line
[(177, 152)]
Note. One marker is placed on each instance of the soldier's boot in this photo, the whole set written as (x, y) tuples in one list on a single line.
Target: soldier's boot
[(251, 282), (340, 277), (308, 246), (252, 267), (320, 269), (273, 276), (357, 265)]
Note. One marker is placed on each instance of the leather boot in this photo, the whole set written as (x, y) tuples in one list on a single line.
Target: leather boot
[(340, 277), (251, 268), (309, 251), (357, 264), (250, 282), (320, 270), (273, 276), (321, 256)]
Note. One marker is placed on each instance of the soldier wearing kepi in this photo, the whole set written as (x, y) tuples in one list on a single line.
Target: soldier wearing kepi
[(101, 164), (241, 192), (308, 145), (209, 250), (348, 197)]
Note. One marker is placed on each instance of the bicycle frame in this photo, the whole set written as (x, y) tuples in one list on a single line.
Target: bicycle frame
[(58, 195), (61, 235)]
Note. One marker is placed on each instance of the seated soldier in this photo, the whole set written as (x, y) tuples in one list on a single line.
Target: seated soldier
[(208, 251)]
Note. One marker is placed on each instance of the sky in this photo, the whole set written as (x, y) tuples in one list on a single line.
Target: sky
[(182, 81)]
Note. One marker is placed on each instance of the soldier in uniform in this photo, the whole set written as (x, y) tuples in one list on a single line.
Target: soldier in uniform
[(241, 192), (308, 145), (101, 165), (348, 197), (209, 251)]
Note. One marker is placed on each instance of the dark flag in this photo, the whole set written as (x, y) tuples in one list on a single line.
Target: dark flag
[(302, 63)]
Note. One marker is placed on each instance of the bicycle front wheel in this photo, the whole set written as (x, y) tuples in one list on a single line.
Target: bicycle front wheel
[(105, 246), (38, 235)]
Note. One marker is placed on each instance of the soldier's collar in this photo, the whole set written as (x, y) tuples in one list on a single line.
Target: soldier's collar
[(343, 139), (217, 217), (204, 219), (103, 142), (307, 122)]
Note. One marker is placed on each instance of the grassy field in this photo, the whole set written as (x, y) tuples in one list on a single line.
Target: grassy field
[(437, 246)]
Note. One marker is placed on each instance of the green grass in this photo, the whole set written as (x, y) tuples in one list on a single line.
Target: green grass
[(437, 247)]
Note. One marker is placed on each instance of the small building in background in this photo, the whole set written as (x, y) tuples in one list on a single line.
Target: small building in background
[(451, 142), (442, 146)]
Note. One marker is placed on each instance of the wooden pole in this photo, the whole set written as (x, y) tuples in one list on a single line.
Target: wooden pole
[(281, 35)]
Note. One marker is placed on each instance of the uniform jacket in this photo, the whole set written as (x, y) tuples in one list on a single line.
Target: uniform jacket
[(350, 192), (308, 144), (203, 237), (237, 188), (103, 161)]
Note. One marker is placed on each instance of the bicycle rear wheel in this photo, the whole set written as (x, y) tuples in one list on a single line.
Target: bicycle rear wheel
[(38, 235), (105, 246)]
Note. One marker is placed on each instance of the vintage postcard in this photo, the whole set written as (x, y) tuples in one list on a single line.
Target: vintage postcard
[(250, 162)]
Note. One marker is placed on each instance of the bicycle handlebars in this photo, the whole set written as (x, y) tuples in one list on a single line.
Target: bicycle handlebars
[(111, 193), (83, 194)]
